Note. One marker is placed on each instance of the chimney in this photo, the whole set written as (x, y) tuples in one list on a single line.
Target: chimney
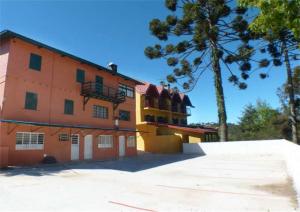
[(113, 67)]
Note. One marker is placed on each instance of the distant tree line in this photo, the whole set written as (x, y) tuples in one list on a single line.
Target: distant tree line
[(261, 121)]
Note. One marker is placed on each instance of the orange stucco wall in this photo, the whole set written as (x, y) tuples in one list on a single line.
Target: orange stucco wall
[(61, 150), (54, 83)]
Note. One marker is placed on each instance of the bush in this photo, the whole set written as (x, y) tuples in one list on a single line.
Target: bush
[(49, 160)]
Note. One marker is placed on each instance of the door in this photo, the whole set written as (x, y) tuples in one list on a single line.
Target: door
[(99, 84), (88, 147), (74, 147), (121, 145)]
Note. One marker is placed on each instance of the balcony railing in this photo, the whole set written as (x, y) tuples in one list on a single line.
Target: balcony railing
[(100, 91)]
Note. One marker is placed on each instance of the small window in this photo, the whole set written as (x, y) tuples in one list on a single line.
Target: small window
[(31, 100), (131, 141), (80, 76), (63, 137), (124, 115), (29, 141), (105, 141), (35, 62), (100, 112), (129, 91), (75, 139), (69, 107)]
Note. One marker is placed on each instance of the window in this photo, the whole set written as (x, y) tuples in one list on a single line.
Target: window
[(105, 141), (69, 107), (124, 115), (175, 121), (75, 139), (99, 85), (29, 141), (80, 76), (100, 112), (129, 91), (31, 100), (161, 119), (149, 118), (131, 141), (35, 62), (63, 137)]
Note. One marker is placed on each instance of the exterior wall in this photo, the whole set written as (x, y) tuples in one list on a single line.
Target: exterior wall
[(4, 53), (150, 142), (54, 83), (170, 142), (194, 139), (61, 150)]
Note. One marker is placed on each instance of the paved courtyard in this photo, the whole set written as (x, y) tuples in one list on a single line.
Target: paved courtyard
[(152, 183)]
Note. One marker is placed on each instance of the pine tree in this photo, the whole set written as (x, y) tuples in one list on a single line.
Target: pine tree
[(206, 34)]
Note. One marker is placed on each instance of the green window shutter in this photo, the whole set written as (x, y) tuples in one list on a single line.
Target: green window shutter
[(80, 76), (31, 101), (35, 62), (69, 107)]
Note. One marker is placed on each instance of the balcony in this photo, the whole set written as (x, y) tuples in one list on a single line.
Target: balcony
[(99, 91)]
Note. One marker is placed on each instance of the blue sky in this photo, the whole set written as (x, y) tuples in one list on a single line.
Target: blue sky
[(104, 31)]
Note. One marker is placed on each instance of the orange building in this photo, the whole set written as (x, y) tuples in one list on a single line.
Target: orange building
[(56, 104)]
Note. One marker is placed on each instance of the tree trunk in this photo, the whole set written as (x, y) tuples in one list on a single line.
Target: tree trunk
[(291, 93), (219, 93)]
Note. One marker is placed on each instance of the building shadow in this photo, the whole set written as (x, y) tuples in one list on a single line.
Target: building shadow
[(142, 161)]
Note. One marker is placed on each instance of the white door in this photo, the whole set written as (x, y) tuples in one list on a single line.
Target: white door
[(121, 145), (74, 147), (88, 147)]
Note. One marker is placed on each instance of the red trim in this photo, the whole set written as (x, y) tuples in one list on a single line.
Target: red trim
[(184, 129)]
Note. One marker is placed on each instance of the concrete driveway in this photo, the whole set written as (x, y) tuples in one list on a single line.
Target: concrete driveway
[(152, 182)]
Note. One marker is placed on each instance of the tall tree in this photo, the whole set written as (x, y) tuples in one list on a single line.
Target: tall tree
[(275, 15), (278, 20), (205, 34), (283, 94)]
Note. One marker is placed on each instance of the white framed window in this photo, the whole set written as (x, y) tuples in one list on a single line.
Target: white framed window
[(29, 141), (75, 139), (131, 141), (105, 141)]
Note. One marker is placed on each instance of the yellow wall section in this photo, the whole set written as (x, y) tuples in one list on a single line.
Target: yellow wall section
[(148, 141)]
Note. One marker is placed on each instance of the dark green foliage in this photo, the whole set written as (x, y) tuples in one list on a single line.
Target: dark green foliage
[(264, 63), (263, 75), (171, 20), (171, 4), (198, 24), (277, 62), (246, 66), (172, 61), (245, 76), (257, 122), (242, 85)]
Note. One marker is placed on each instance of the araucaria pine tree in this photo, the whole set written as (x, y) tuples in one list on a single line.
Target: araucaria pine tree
[(206, 33)]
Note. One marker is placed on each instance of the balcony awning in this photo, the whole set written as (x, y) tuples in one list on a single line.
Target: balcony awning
[(185, 129)]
